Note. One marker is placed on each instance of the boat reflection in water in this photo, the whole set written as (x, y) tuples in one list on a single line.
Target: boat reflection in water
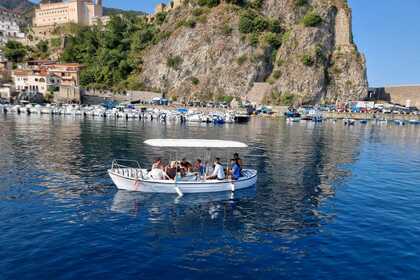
[(134, 202)]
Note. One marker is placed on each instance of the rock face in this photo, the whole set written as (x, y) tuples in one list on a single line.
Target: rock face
[(213, 58)]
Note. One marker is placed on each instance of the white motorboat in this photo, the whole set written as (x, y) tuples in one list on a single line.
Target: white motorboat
[(138, 179)]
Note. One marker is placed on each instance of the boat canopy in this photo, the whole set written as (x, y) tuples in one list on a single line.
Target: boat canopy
[(194, 143)]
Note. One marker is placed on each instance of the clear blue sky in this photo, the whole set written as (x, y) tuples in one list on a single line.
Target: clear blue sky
[(387, 32)]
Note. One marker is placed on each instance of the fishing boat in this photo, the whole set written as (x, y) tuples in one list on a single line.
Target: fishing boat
[(138, 179)]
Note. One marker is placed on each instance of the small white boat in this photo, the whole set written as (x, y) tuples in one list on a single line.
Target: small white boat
[(138, 179)]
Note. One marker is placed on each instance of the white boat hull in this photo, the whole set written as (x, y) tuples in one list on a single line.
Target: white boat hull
[(124, 179)]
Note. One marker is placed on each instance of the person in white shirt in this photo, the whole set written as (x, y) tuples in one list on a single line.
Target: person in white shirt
[(157, 172), (218, 172)]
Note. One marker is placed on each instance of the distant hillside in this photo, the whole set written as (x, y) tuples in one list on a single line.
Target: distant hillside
[(113, 11), (19, 6)]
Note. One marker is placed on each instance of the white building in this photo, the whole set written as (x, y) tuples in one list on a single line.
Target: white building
[(34, 82), (10, 23)]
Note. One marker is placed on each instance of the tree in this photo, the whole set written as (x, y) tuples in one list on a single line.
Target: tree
[(14, 51)]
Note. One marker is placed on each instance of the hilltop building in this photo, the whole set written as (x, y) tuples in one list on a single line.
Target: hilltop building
[(49, 15), (161, 7)]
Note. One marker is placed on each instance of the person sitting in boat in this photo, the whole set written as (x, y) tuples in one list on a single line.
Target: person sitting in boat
[(157, 163), (170, 170), (235, 171), (199, 167), (238, 160), (157, 172), (186, 166), (218, 172)]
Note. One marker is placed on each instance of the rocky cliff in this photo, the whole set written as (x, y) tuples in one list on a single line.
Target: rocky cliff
[(303, 49)]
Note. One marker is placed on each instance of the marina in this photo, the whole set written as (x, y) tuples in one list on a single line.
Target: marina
[(131, 112)]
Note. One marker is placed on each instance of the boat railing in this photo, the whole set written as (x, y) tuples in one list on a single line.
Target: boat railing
[(127, 168)]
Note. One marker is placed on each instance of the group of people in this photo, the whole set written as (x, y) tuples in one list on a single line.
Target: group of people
[(178, 169)]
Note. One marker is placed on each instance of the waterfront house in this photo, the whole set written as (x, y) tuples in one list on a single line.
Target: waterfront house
[(30, 81)]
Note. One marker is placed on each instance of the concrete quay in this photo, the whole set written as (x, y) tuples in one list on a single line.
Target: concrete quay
[(369, 116)]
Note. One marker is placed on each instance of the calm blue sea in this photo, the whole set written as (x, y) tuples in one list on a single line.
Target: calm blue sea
[(332, 202)]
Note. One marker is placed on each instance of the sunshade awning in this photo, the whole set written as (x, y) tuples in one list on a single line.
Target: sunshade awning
[(194, 143)]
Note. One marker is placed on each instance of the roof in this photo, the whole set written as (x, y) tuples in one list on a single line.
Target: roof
[(194, 143)]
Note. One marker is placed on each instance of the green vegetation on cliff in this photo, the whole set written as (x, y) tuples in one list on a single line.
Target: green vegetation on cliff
[(111, 53)]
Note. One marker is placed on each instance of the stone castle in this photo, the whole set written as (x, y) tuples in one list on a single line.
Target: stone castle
[(49, 15)]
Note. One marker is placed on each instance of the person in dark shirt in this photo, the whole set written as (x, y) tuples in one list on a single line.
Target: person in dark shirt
[(235, 169), (186, 166), (171, 170)]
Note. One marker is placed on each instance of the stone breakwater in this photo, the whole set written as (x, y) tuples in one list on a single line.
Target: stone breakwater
[(370, 116)]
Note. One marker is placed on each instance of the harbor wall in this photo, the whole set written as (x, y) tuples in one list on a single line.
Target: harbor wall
[(96, 97), (404, 95), (364, 116)]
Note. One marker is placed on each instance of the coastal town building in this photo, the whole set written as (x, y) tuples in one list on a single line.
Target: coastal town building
[(44, 77), (50, 15), (34, 82), (10, 23)]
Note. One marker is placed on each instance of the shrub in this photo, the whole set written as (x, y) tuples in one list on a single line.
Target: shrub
[(254, 39), (260, 24), (272, 39), (174, 61), (280, 62), (320, 54), (287, 99), (55, 42), (190, 23), (241, 60), (161, 17), (202, 19), (286, 36), (195, 80), (256, 4), (208, 3), (307, 60), (246, 22), (199, 11), (276, 74), (300, 3), (274, 26), (226, 29), (312, 19)]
